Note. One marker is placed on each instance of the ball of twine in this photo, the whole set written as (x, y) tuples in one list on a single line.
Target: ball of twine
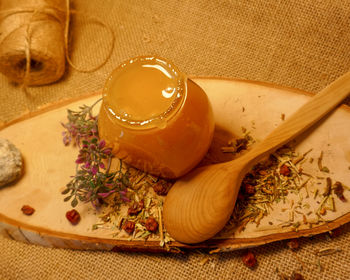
[(34, 40)]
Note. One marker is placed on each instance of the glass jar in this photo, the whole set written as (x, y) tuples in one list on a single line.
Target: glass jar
[(155, 118)]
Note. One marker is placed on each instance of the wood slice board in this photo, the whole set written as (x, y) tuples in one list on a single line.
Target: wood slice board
[(49, 164)]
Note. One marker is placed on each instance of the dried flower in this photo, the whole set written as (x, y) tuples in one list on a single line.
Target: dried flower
[(93, 179), (151, 224), (27, 210), (129, 227), (136, 208), (162, 187), (285, 170), (73, 216), (249, 259), (293, 244)]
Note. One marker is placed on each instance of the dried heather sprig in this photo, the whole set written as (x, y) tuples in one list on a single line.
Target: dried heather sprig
[(93, 180)]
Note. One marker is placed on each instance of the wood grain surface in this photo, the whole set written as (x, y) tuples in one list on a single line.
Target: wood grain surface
[(236, 104)]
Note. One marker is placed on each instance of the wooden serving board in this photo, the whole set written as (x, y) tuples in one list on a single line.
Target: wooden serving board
[(49, 164)]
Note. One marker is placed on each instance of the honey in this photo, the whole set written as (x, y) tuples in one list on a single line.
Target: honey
[(155, 118)]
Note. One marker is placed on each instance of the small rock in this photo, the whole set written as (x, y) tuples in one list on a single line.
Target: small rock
[(10, 162)]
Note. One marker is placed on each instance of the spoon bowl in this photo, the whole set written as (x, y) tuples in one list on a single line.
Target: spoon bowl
[(199, 204)]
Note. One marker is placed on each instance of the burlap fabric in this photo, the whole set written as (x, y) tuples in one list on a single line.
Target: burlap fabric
[(303, 44)]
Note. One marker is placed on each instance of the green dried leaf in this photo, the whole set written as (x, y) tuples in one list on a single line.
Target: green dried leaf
[(325, 169), (74, 202), (67, 198), (65, 191)]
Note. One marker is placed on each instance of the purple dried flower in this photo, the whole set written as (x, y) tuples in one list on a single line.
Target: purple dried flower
[(107, 151), (66, 140), (102, 144), (95, 203), (79, 160), (104, 195), (92, 178), (94, 170), (92, 147), (123, 192), (125, 199)]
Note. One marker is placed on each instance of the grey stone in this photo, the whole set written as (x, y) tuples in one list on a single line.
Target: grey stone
[(10, 162)]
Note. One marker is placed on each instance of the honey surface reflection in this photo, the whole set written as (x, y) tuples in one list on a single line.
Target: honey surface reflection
[(155, 118)]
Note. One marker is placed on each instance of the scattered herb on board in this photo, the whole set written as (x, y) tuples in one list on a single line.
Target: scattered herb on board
[(110, 185), (271, 182), (238, 145), (129, 202)]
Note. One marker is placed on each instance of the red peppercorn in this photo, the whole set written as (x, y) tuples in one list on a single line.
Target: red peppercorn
[(249, 259), (293, 244), (161, 187), (285, 170), (249, 189), (129, 227), (73, 216), (136, 208), (27, 210), (151, 224)]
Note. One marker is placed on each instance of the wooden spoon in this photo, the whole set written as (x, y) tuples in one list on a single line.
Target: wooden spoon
[(199, 204)]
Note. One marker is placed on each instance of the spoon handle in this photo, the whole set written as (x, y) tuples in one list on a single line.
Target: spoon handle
[(320, 105)]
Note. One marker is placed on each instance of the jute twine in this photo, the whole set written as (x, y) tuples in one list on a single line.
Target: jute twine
[(34, 40)]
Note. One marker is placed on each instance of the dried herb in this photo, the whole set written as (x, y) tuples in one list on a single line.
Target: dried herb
[(327, 251), (328, 188), (93, 180), (319, 161), (81, 125), (271, 181), (236, 146), (339, 191), (325, 169)]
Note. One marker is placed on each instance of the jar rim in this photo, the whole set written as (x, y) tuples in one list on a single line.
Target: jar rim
[(156, 121)]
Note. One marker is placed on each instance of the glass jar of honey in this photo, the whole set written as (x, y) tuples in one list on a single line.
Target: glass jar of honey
[(155, 118)]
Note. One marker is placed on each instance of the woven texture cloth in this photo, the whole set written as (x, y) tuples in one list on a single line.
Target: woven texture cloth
[(302, 44)]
